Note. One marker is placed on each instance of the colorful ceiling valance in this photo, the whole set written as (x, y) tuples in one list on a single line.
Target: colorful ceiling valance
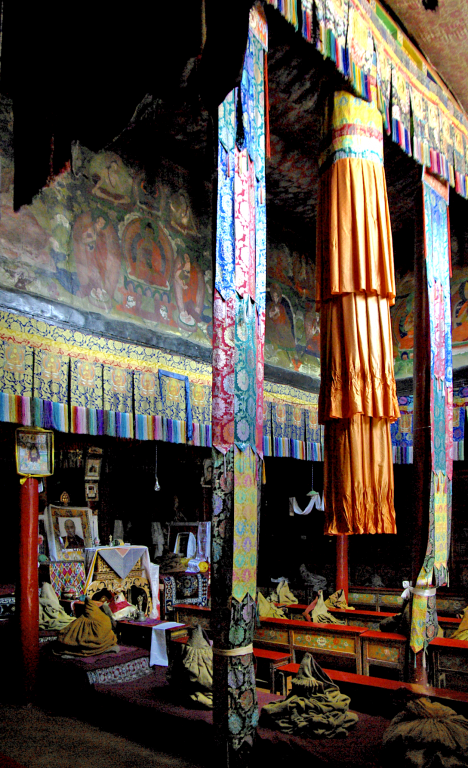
[(103, 387), (383, 64)]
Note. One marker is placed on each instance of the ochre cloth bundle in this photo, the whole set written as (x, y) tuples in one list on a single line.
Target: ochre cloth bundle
[(51, 613), (427, 734), (267, 610), (315, 706), (283, 595), (88, 635), (191, 672), (338, 600)]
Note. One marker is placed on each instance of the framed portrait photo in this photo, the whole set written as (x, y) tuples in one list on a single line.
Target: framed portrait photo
[(92, 492), (69, 531), (34, 452), (93, 468)]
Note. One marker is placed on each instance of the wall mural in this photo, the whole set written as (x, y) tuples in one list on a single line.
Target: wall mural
[(101, 238), (292, 333), (403, 321)]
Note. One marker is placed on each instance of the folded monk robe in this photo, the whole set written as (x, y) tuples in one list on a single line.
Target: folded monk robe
[(338, 600), (191, 672), (267, 610), (283, 595), (51, 613), (315, 706), (319, 612), (88, 635)]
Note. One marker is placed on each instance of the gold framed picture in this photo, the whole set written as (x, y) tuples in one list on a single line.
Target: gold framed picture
[(93, 468), (69, 531), (34, 449), (92, 492)]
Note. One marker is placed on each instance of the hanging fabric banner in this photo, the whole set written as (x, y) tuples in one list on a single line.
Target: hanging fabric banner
[(118, 401), (245, 404), (86, 398), (446, 148), (16, 383), (360, 50), (401, 115), (51, 389), (148, 406), (288, 8), (244, 226), (267, 429), (244, 579), (225, 251), (384, 85), (201, 414), (313, 433), (402, 432), (434, 571), (459, 161), (177, 407), (420, 110), (224, 316), (332, 18)]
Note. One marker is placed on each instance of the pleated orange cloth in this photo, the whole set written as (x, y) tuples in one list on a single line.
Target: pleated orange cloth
[(355, 289)]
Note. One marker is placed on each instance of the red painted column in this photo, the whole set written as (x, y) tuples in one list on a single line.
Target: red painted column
[(342, 564), (27, 598)]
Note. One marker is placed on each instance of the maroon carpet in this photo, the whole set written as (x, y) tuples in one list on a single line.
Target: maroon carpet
[(185, 731)]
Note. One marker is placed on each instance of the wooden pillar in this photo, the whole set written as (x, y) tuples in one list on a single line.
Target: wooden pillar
[(342, 564), (27, 595)]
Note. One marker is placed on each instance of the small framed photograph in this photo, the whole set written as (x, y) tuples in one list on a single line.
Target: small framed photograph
[(92, 493), (34, 452), (93, 468)]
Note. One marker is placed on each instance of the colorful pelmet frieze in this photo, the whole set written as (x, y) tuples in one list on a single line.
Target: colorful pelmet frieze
[(382, 64)]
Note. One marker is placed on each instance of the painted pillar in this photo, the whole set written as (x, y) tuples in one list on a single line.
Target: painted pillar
[(342, 564), (237, 401), (27, 596)]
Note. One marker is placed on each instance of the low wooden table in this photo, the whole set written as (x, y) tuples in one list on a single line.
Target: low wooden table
[(275, 660), (384, 649), (448, 663)]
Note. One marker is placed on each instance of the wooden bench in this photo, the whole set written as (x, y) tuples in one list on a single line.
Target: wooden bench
[(384, 649), (357, 618), (375, 695), (389, 599), (448, 663)]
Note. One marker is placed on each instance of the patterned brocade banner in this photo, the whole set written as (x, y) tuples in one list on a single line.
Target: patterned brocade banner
[(245, 525), (86, 398), (434, 570)]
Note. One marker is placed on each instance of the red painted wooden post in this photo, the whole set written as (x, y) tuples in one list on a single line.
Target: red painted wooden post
[(342, 564), (27, 596)]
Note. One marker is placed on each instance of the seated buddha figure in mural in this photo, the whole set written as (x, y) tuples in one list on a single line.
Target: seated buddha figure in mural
[(148, 251), (189, 291), (98, 258), (279, 322)]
